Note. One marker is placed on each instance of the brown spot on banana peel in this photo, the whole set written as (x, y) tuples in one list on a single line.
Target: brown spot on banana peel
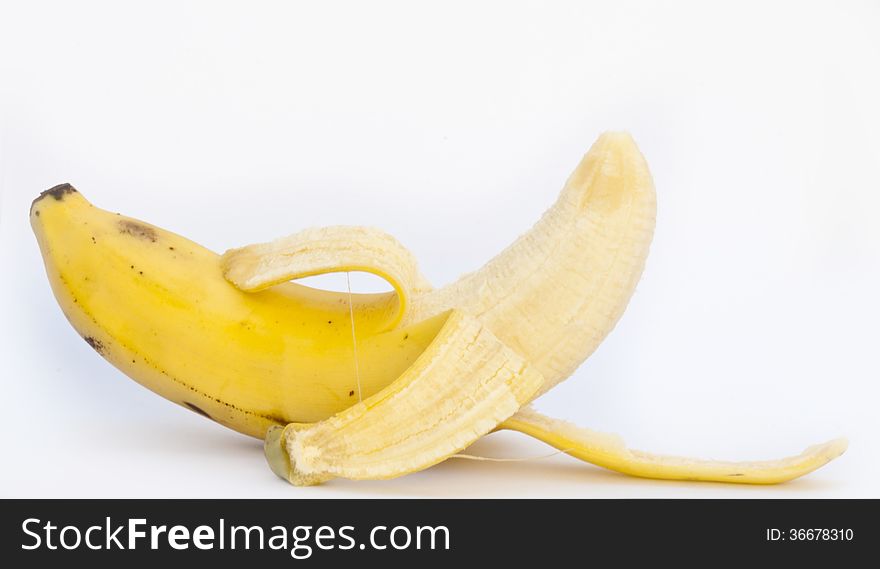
[(139, 230), (96, 344)]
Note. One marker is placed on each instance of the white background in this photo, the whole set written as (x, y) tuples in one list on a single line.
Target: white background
[(752, 334)]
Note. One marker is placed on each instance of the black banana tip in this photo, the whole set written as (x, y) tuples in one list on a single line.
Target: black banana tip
[(58, 192)]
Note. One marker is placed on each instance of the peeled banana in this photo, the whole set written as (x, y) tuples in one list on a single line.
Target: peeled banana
[(375, 385)]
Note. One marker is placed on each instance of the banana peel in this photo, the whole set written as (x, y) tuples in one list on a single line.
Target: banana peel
[(609, 451), (156, 306)]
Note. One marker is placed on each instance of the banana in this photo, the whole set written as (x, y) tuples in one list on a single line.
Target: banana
[(157, 306), (458, 390), (230, 338)]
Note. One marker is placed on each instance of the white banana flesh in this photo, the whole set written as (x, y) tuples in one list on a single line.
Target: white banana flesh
[(559, 289)]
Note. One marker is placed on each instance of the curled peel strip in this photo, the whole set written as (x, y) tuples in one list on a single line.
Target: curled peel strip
[(323, 250), (609, 451), (459, 389)]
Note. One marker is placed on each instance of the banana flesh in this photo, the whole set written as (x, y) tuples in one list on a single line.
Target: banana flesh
[(609, 451), (557, 291)]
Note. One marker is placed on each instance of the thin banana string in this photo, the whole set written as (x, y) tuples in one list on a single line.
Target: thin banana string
[(501, 459), (357, 367)]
